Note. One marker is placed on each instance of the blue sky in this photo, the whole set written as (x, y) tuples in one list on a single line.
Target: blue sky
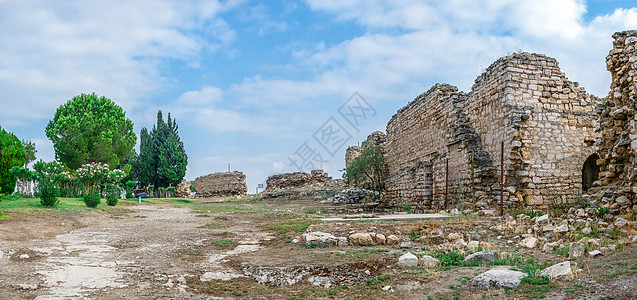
[(251, 83)]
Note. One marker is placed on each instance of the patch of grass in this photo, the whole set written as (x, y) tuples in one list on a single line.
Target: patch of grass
[(335, 290), (209, 225), (449, 259), (196, 252), (414, 235), (292, 226), (563, 251), (602, 211), (360, 253), (224, 243), (373, 282), (617, 271), (15, 203), (5, 216), (221, 218)]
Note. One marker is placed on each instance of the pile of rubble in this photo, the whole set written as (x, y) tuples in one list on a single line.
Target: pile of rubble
[(316, 179), (350, 196)]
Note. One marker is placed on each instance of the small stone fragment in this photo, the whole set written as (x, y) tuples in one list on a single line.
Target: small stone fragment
[(576, 250), (497, 279), (360, 239), (559, 271), (408, 260), (392, 239), (529, 242), (428, 262), (482, 257), (595, 253)]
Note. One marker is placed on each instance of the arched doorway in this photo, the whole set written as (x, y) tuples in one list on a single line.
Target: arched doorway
[(590, 171)]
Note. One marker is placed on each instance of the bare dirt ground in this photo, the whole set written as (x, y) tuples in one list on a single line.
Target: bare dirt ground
[(201, 250)]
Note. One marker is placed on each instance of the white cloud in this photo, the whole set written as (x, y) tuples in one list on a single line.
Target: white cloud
[(277, 166), (52, 51)]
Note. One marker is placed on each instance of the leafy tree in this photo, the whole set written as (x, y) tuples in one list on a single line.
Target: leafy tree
[(369, 166), (162, 158), (30, 151), (11, 155), (89, 129)]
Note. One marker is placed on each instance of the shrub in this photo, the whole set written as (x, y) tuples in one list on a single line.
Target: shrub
[(130, 185), (452, 258), (48, 193), (112, 194), (92, 198)]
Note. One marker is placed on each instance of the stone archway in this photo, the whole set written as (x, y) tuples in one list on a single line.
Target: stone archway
[(590, 172)]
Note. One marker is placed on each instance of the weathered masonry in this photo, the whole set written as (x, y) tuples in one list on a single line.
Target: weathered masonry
[(221, 184), (446, 145), (617, 129)]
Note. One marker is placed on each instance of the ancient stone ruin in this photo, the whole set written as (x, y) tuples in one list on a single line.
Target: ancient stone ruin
[(221, 184), (616, 142), (555, 141), (446, 146), (298, 181)]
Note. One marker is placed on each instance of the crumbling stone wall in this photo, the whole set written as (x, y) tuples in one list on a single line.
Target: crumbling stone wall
[(221, 184), (617, 130), (298, 181), (545, 121), (351, 153)]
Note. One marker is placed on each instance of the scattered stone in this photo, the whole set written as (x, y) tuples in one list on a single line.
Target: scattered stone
[(587, 230), (487, 213), (529, 242), (360, 239), (561, 229), (28, 287), (388, 288), (576, 250), (408, 260), (342, 241), (482, 257), (428, 262), (472, 245), (454, 236), (349, 196), (595, 253), (548, 247), (620, 222), (406, 245), (322, 281), (609, 247), (436, 236), (392, 239), (380, 239), (497, 279), (24, 256), (542, 220), (559, 271), (319, 239)]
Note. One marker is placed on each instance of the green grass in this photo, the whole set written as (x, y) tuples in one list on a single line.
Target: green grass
[(209, 225), (624, 269), (13, 203), (294, 226), (225, 243)]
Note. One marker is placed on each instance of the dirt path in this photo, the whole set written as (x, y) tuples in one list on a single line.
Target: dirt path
[(148, 254)]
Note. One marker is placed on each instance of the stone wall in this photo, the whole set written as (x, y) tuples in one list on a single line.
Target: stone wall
[(617, 130), (298, 181), (221, 184), (351, 153), (545, 121)]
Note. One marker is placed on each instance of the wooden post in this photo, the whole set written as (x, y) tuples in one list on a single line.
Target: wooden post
[(447, 183), (502, 179), (473, 186)]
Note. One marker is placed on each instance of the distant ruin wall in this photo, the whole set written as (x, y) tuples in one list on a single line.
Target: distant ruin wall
[(617, 130), (545, 121), (221, 184), (297, 181)]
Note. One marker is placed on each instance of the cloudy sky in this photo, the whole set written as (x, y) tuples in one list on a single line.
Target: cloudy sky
[(274, 86)]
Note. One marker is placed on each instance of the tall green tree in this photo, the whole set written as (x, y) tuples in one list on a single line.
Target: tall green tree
[(11, 155), (89, 129), (30, 151), (162, 158)]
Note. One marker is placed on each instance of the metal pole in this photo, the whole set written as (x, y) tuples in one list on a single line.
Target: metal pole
[(447, 183), (502, 178), (228, 167)]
